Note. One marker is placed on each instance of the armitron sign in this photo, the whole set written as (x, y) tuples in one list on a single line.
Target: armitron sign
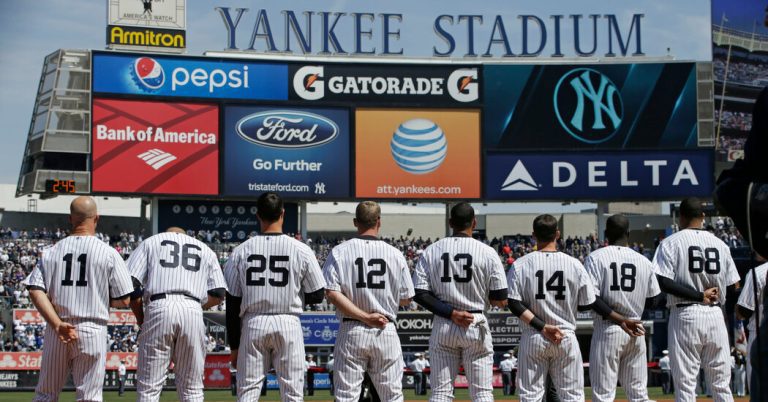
[(141, 36)]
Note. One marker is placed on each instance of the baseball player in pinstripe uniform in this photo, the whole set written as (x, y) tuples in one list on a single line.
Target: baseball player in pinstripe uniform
[(367, 279), (624, 279), (457, 278), (176, 272), (694, 268), (270, 277), (73, 286), (746, 308), (546, 289)]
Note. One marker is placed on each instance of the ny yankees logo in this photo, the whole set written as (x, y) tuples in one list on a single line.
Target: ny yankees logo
[(591, 125)]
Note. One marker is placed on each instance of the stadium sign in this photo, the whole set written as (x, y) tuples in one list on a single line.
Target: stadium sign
[(386, 83), (599, 175), (169, 148), (188, 77), (297, 152), (462, 30), (147, 25), (604, 106)]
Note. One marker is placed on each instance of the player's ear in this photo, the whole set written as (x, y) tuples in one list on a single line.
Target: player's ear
[(95, 220), (354, 221), (282, 214), (557, 235), (474, 224)]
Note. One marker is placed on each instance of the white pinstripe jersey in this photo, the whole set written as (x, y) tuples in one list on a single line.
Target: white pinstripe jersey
[(552, 285), (271, 273), (80, 275), (370, 273), (698, 259), (747, 296), (623, 278), (176, 263), (460, 271)]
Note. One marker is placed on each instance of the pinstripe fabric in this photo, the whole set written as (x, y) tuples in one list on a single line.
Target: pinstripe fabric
[(698, 338), (697, 334), (80, 274), (176, 263), (271, 273), (624, 279), (375, 277), (552, 285), (173, 330), (460, 271), (86, 358), (275, 341), (747, 299), (563, 363), (303, 274)]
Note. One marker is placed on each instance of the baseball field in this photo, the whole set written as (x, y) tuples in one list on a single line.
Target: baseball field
[(462, 395)]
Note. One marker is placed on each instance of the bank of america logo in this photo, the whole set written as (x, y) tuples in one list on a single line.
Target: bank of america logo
[(519, 179), (157, 158)]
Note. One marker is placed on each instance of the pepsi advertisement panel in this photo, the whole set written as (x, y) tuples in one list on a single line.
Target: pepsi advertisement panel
[(225, 221), (384, 84), (319, 329), (607, 106), (188, 77), (296, 152), (599, 175)]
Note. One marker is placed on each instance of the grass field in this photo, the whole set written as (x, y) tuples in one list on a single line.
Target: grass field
[(221, 396)]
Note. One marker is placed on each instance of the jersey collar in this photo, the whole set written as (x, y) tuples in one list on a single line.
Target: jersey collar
[(366, 237), (271, 234)]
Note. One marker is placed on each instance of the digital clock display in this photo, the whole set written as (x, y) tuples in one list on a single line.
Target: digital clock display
[(60, 186)]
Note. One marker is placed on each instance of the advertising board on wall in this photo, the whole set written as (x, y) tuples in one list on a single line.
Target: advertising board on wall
[(490, 29), (148, 147), (147, 25), (229, 220), (598, 175), (191, 77), (296, 152), (371, 84), (417, 153), (608, 106)]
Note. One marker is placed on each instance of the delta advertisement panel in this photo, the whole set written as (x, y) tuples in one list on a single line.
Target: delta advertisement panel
[(606, 106), (417, 153), (370, 84), (147, 147), (296, 152), (480, 30), (219, 220), (599, 175), (188, 77)]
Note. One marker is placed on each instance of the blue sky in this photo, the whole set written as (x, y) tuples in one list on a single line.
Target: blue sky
[(29, 30)]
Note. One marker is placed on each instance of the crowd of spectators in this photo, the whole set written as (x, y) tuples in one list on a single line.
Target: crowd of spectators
[(740, 121), (741, 71), (19, 251)]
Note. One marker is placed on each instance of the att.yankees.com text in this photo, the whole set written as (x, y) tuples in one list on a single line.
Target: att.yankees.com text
[(417, 190)]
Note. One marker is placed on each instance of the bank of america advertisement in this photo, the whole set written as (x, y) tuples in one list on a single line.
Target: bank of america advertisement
[(599, 175), (600, 106), (296, 152), (148, 147), (194, 77)]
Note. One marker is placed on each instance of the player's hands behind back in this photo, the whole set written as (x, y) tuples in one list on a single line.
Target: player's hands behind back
[(462, 318), (376, 320), (711, 296), (552, 333), (66, 332), (633, 327)]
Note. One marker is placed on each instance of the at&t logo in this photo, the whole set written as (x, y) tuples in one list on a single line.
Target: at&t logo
[(588, 105)]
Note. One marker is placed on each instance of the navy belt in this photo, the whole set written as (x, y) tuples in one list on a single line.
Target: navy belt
[(161, 296), (717, 304)]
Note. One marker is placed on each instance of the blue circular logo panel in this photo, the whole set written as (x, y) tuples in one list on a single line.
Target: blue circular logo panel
[(588, 105), (419, 146)]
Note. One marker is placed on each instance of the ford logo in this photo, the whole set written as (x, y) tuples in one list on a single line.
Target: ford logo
[(286, 129)]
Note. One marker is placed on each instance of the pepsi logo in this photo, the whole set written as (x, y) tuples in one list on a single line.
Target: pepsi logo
[(419, 146), (148, 73), (287, 129)]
